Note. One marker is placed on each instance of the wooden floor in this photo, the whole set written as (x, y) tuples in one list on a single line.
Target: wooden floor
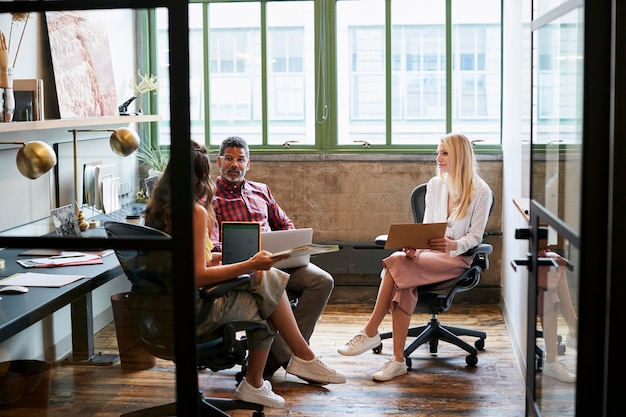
[(439, 385)]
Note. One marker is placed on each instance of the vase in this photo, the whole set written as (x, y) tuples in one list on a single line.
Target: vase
[(8, 96)]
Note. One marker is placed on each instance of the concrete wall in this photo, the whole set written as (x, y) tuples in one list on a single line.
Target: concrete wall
[(354, 198)]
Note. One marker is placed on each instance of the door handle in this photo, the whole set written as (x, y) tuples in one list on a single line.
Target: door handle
[(526, 233), (527, 262)]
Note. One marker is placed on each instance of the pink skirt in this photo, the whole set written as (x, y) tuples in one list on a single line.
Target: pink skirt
[(427, 267)]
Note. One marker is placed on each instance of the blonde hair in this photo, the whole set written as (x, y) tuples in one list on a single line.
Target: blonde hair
[(460, 177)]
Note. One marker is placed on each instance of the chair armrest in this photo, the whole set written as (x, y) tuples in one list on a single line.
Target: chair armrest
[(381, 240), (483, 248), (220, 289)]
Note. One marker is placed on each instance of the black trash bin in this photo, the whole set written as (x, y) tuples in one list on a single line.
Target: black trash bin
[(24, 388)]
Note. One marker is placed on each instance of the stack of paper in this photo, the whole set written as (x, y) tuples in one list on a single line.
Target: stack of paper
[(64, 259), (32, 279)]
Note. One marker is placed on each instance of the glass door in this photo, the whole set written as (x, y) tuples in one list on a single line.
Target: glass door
[(555, 201)]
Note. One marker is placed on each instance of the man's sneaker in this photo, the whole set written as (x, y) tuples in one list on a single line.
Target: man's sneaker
[(391, 370), (272, 365), (262, 395), (314, 371), (557, 370), (571, 341), (360, 343)]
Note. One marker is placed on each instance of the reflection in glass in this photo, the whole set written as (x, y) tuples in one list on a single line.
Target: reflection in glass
[(555, 184), (557, 320), (557, 116)]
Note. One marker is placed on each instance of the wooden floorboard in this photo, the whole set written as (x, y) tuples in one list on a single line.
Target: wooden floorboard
[(439, 385)]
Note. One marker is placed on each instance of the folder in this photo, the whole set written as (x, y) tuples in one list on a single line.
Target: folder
[(414, 235)]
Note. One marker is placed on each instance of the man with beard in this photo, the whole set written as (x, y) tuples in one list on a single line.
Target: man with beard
[(237, 199)]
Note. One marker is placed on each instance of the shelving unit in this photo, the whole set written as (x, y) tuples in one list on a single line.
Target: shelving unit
[(75, 123)]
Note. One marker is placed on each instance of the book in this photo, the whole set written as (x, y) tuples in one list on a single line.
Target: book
[(414, 235), (310, 249)]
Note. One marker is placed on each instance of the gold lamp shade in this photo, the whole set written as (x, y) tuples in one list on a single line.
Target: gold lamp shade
[(34, 158), (124, 141)]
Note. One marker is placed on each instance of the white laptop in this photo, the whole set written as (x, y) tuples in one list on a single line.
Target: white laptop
[(280, 240)]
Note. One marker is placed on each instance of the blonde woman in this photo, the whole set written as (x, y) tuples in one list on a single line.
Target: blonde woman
[(456, 195)]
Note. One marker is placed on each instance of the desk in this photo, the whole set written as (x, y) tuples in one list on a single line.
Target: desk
[(17, 312)]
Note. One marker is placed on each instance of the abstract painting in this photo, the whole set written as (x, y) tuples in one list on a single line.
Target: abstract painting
[(81, 59)]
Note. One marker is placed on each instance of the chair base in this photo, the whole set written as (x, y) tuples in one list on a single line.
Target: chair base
[(434, 331), (209, 407)]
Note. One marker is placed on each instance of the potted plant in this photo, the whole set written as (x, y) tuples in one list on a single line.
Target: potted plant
[(147, 83), (155, 158)]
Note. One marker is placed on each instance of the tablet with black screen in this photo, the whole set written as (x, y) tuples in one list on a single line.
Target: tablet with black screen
[(240, 241)]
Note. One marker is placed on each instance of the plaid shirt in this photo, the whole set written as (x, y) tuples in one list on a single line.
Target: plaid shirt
[(252, 202)]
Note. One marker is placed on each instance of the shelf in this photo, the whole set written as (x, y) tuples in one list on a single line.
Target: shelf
[(75, 123)]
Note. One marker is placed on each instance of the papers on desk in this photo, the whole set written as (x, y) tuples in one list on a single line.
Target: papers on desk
[(33, 279), (57, 252), (64, 259)]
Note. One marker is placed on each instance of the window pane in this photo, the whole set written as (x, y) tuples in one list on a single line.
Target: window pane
[(163, 72), (196, 73), (235, 72), (558, 82), (476, 69), (290, 72), (361, 94), (419, 78)]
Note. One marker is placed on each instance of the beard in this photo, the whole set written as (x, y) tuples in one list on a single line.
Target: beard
[(233, 175)]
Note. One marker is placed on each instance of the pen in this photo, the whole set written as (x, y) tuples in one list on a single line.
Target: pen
[(66, 256)]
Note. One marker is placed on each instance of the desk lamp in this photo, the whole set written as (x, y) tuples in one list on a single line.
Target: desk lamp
[(34, 158), (123, 142)]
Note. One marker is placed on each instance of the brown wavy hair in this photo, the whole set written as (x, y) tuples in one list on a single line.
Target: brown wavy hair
[(159, 210)]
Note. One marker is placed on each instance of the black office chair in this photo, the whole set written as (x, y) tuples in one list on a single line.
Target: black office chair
[(437, 298), (151, 310)]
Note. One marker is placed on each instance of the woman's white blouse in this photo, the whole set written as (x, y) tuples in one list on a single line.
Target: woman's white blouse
[(468, 231)]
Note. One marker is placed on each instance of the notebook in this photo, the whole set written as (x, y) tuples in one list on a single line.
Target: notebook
[(240, 241), (281, 240)]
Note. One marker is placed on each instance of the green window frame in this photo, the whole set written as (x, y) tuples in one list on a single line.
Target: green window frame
[(329, 80)]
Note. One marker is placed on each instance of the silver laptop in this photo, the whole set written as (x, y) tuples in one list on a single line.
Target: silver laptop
[(280, 240)]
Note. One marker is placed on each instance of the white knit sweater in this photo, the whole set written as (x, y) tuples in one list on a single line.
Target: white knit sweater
[(468, 231)]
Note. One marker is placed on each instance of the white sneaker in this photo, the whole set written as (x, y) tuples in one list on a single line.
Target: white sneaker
[(557, 370), (314, 371), (262, 395), (360, 343), (571, 341), (391, 370)]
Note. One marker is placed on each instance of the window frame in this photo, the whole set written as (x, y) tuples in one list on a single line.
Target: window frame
[(326, 134)]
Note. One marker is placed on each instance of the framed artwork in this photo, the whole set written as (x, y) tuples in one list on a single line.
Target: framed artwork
[(81, 59), (150, 183), (28, 100), (65, 222)]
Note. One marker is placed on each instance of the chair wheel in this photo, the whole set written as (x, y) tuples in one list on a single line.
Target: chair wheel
[(409, 363), (471, 360), (561, 348), (378, 349), (480, 344), (239, 377)]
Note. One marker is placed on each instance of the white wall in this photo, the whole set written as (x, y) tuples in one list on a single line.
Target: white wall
[(32, 200), (514, 284)]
